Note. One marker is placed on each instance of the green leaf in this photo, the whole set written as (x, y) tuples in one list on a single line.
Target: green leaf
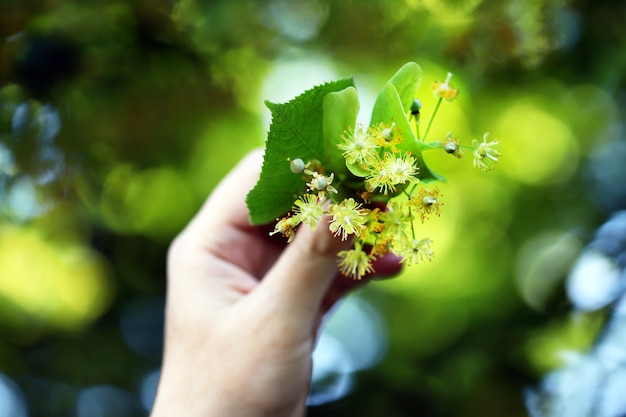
[(297, 131), (340, 112)]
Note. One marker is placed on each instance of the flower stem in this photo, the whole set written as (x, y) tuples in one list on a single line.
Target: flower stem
[(432, 117), (409, 194), (416, 127), (412, 225)]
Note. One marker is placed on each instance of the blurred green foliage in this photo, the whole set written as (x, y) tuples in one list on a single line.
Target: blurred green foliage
[(118, 118)]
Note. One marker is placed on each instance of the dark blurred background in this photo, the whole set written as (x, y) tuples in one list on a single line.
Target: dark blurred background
[(117, 118)]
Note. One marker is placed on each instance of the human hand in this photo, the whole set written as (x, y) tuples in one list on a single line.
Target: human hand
[(243, 309)]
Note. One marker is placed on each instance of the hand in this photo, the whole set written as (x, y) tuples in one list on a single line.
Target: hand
[(243, 309)]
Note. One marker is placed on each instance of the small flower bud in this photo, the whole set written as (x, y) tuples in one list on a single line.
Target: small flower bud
[(388, 131), (319, 182), (297, 165), (452, 146), (416, 106)]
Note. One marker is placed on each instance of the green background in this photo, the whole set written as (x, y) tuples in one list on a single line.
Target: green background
[(117, 119)]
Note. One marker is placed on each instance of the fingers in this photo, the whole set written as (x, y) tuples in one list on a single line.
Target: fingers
[(305, 280), (386, 266), (221, 227), (299, 279), (214, 248), (296, 281)]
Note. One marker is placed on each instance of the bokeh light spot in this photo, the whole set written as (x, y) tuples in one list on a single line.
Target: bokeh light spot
[(542, 264), (156, 201), (105, 401), (537, 147), (451, 11), (298, 21), (24, 201), (48, 285), (160, 202), (563, 339), (595, 281), (12, 402), (358, 326), (148, 389), (332, 371), (291, 76)]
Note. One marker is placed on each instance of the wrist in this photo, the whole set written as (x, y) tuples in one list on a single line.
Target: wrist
[(185, 402)]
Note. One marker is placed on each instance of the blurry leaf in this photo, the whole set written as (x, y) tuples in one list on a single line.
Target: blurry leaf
[(296, 131)]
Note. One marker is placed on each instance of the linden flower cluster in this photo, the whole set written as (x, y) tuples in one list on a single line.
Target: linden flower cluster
[(374, 152), (384, 170), (381, 170)]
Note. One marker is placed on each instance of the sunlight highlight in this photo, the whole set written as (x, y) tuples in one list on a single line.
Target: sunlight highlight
[(46, 285)]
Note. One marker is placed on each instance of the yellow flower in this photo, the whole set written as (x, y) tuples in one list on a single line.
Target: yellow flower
[(348, 218), (486, 154), (286, 226), (308, 210), (382, 246), (387, 136), (380, 178), (392, 171), (444, 90), (359, 146), (365, 195), (396, 220), (413, 251), (373, 224), (402, 169), (427, 202), (355, 263)]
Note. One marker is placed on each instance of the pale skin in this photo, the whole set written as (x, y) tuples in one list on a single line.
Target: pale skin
[(244, 309)]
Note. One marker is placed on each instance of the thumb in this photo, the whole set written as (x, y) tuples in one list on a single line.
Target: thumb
[(298, 281)]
